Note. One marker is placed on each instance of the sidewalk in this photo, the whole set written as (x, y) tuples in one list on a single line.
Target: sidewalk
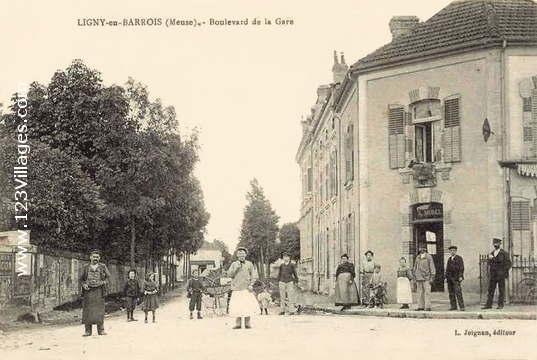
[(318, 303)]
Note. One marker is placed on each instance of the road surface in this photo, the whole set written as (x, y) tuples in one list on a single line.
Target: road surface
[(302, 337)]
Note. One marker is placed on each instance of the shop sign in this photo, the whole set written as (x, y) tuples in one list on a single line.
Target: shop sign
[(428, 211)]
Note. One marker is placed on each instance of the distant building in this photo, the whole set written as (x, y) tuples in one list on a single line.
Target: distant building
[(430, 139), (209, 256)]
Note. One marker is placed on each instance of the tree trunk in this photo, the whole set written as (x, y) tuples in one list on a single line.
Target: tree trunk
[(133, 242), (159, 267), (262, 265)]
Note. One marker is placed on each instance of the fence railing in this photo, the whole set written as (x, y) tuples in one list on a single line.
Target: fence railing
[(523, 280)]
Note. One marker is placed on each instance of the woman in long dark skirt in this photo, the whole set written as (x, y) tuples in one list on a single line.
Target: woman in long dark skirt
[(150, 289), (346, 291)]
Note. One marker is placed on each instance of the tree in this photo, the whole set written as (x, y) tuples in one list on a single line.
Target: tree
[(63, 204), (121, 170), (289, 240), (225, 252), (259, 227)]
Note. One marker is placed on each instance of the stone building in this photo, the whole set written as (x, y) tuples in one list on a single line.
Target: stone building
[(430, 139)]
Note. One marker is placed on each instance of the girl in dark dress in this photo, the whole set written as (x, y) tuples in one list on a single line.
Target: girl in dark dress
[(150, 289), (346, 293)]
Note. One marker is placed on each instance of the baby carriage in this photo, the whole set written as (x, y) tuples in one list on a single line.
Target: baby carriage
[(379, 295), (216, 289)]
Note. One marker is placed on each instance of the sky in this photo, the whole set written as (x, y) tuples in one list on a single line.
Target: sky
[(246, 88)]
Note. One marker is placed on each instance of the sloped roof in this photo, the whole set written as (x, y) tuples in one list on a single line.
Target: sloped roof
[(462, 25)]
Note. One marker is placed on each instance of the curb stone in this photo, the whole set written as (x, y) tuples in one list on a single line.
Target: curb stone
[(485, 315)]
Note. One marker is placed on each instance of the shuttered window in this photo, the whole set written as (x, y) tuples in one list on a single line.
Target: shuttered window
[(521, 228), (396, 117), (349, 236), (349, 154), (534, 121), (335, 168), (452, 130), (520, 215)]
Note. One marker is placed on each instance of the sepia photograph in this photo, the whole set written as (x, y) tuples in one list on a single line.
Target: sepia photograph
[(241, 179)]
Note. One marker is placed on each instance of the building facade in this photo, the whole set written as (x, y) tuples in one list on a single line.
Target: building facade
[(433, 138), (209, 256)]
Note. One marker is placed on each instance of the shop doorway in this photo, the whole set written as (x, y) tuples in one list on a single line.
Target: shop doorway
[(428, 229)]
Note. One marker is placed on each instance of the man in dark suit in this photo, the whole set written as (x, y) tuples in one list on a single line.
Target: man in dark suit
[(499, 265), (454, 277)]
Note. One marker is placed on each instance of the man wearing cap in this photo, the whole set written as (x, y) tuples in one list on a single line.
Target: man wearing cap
[(287, 279), (499, 265), (243, 277), (93, 280), (454, 277), (424, 273)]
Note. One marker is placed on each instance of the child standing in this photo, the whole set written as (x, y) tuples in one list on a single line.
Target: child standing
[(404, 292), (150, 289), (264, 299), (378, 288), (132, 292), (194, 290)]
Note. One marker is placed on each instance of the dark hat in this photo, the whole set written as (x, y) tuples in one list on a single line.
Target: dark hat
[(422, 246), (286, 254), (243, 249), (95, 251), (452, 247), (496, 240), (345, 255), (369, 252)]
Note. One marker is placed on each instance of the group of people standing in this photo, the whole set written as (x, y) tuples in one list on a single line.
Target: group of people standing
[(243, 274), (420, 277), (93, 280)]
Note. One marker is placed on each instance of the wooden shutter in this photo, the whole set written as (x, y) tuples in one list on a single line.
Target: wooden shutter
[(520, 215), (336, 169), (533, 128), (409, 136), (521, 228), (349, 151), (396, 121), (452, 129)]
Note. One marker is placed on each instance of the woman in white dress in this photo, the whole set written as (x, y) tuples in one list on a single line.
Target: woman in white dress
[(404, 292)]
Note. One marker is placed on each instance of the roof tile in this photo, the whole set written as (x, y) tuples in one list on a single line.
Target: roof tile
[(463, 24)]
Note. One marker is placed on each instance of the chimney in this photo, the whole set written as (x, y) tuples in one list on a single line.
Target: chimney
[(400, 25), (323, 92), (339, 69)]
